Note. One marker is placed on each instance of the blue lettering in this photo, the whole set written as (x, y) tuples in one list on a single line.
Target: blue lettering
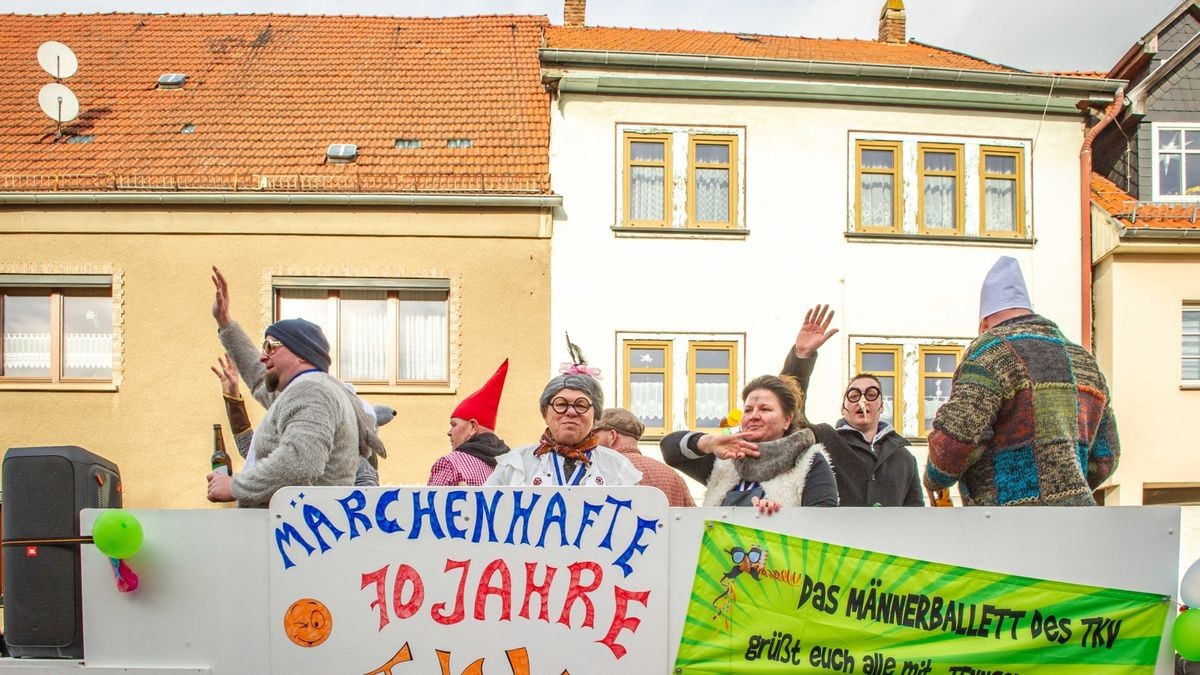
[(354, 512), (589, 518), (620, 504), (315, 518), (485, 512), (521, 513), (387, 525), (453, 512), (422, 512), (556, 512), (284, 534), (643, 525)]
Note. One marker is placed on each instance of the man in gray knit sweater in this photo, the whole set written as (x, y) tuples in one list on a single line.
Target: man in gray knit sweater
[(310, 434)]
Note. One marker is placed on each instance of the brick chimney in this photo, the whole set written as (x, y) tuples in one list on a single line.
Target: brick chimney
[(574, 11), (891, 22)]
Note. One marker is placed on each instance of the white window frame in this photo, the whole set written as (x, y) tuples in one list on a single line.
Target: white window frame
[(680, 167), (1155, 127), (909, 192), (1187, 307), (282, 283), (680, 377)]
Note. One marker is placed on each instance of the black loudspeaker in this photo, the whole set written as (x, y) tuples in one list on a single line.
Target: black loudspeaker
[(43, 491)]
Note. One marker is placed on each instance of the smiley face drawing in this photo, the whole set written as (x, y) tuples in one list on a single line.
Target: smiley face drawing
[(307, 622)]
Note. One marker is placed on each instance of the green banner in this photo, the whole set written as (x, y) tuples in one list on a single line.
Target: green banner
[(764, 602)]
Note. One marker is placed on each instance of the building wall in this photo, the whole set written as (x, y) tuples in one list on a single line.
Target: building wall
[(156, 425), (1139, 351), (797, 253)]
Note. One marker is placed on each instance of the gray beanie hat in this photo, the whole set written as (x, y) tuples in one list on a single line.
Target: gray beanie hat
[(1003, 288), (304, 339), (585, 383)]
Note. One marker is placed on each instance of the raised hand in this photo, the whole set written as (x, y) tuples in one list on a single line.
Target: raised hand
[(220, 308), (227, 372), (815, 331), (728, 446)]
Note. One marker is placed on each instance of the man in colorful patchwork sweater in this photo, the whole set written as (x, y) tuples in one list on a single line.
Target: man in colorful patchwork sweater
[(1029, 420)]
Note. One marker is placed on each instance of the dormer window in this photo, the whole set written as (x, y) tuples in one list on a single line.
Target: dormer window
[(171, 80), (342, 153)]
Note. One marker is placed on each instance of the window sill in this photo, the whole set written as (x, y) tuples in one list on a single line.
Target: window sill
[(405, 389), (1189, 386), (907, 238), (58, 386), (680, 232)]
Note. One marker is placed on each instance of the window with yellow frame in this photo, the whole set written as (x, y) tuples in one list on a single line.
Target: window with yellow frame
[(712, 382), (647, 180), (940, 202), (885, 362), (937, 364), (1002, 192), (879, 187), (712, 181), (647, 383)]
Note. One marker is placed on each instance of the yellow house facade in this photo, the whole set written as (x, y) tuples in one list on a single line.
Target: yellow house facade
[(424, 253)]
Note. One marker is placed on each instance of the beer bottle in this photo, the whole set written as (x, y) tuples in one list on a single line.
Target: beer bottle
[(220, 458)]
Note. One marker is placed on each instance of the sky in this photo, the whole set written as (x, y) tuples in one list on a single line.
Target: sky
[(1065, 35)]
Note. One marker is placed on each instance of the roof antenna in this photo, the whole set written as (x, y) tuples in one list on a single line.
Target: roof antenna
[(56, 100)]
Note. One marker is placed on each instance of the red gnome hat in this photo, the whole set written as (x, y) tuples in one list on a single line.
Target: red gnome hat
[(481, 406)]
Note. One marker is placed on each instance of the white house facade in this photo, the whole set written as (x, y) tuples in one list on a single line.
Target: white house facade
[(711, 197)]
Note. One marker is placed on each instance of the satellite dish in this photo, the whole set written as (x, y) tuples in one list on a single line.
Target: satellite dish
[(57, 59), (58, 102)]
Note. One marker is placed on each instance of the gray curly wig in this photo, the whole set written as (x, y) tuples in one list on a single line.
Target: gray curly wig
[(585, 383)]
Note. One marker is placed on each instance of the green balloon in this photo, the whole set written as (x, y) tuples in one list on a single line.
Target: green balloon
[(1185, 635), (117, 533)]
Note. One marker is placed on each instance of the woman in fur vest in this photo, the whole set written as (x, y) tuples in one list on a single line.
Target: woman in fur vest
[(791, 468)]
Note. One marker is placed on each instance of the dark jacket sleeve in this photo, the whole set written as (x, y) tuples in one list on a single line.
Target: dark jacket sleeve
[(675, 447), (801, 369), (820, 489), (915, 496)]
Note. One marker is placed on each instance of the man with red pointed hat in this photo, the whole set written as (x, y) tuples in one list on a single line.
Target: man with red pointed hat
[(474, 446)]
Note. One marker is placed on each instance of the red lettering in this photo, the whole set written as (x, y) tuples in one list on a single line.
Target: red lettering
[(542, 590), (577, 591), (439, 610), (405, 574), (378, 577), (486, 588), (620, 622)]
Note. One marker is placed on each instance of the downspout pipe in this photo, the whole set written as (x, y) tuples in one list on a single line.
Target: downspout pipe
[(1085, 216)]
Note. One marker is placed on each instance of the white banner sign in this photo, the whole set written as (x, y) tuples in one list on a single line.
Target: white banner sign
[(468, 581)]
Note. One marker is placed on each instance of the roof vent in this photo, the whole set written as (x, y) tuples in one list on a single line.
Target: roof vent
[(341, 153), (459, 143), (744, 37), (81, 138), (407, 143), (171, 80), (187, 128)]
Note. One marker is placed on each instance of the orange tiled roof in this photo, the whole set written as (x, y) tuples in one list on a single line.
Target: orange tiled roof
[(1134, 214), (762, 46), (267, 94), (1094, 74)]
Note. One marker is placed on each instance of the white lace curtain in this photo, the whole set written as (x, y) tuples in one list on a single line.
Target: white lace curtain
[(82, 351), (646, 186), (1000, 204), (712, 195), (646, 400), (712, 402)]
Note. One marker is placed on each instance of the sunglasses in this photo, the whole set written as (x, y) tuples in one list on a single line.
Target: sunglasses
[(269, 346), (854, 393), (560, 405), (738, 555)]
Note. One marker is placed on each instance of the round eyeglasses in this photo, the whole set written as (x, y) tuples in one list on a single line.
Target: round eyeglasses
[(560, 405), (854, 393)]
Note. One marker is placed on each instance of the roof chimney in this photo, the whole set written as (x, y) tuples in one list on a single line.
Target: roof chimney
[(573, 13), (891, 22)]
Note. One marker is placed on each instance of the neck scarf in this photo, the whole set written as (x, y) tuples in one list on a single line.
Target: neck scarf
[(578, 452), (775, 457)]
